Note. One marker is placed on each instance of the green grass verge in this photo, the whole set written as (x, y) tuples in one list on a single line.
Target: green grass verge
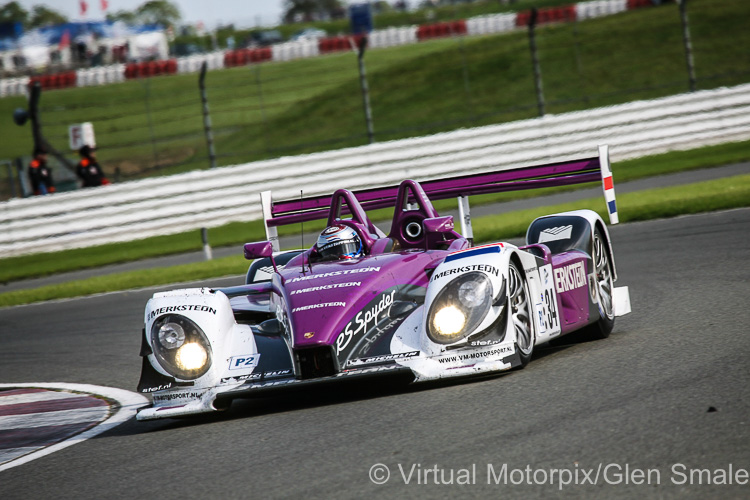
[(700, 197), (38, 265), (154, 126)]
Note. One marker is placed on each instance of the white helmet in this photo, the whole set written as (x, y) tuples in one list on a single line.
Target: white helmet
[(339, 242)]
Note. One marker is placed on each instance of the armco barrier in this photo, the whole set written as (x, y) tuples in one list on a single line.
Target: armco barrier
[(208, 198)]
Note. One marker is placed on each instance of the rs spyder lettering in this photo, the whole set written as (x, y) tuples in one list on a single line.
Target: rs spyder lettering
[(362, 319)]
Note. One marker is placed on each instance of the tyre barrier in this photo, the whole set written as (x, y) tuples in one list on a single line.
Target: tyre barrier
[(440, 30), (240, 57), (14, 86), (148, 69), (55, 81), (548, 15), (338, 43), (637, 4)]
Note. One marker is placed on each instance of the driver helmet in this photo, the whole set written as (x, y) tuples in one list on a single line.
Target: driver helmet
[(339, 242)]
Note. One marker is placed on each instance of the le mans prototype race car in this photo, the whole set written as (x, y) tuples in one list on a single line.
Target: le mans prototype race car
[(420, 300)]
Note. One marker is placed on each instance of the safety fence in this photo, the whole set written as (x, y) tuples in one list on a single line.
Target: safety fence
[(209, 198), (480, 25)]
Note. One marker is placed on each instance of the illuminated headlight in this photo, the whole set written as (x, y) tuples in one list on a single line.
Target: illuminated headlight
[(180, 346), (459, 308), (449, 320)]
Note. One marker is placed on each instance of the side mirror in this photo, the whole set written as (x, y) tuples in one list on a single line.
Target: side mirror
[(438, 224), (258, 250), (271, 327), (437, 228)]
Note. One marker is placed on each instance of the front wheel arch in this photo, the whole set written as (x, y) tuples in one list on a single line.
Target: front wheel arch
[(520, 312), (602, 327)]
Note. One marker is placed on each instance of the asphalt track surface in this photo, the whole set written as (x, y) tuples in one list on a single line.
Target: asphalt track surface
[(667, 394)]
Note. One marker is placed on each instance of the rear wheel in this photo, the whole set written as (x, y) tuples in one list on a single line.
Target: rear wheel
[(604, 287), (520, 314)]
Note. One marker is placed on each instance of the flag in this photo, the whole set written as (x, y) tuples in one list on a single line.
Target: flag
[(84, 7), (65, 40)]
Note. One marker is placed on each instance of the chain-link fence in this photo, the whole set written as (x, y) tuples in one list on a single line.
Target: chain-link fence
[(155, 126)]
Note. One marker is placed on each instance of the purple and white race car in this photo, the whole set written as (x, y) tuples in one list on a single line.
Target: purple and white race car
[(421, 301)]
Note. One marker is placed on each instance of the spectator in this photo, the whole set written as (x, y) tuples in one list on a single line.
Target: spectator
[(40, 174), (88, 169)]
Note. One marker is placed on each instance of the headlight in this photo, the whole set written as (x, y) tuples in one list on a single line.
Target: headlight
[(459, 308), (180, 346)]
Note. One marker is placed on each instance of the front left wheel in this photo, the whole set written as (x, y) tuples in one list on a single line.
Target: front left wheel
[(520, 314), (604, 286)]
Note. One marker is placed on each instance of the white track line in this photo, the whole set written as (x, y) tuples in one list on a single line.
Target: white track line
[(129, 402)]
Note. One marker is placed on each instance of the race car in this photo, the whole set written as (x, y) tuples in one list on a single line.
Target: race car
[(421, 301)]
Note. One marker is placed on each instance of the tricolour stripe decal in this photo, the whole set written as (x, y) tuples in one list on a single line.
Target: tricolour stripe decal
[(494, 248), (608, 184)]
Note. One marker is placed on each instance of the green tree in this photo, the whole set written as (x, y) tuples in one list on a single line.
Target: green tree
[(309, 9), (159, 12), (12, 12), (380, 6), (126, 16), (44, 16)]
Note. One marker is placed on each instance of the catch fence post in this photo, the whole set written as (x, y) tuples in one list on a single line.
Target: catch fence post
[(535, 62), (11, 179), (687, 43), (207, 116), (206, 246), (362, 44)]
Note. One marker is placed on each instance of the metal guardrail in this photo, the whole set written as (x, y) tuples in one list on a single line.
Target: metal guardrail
[(210, 198)]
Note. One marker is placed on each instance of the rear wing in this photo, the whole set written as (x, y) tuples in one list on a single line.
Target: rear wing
[(550, 175)]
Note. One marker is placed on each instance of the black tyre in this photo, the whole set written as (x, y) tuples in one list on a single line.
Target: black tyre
[(520, 314), (604, 287)]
